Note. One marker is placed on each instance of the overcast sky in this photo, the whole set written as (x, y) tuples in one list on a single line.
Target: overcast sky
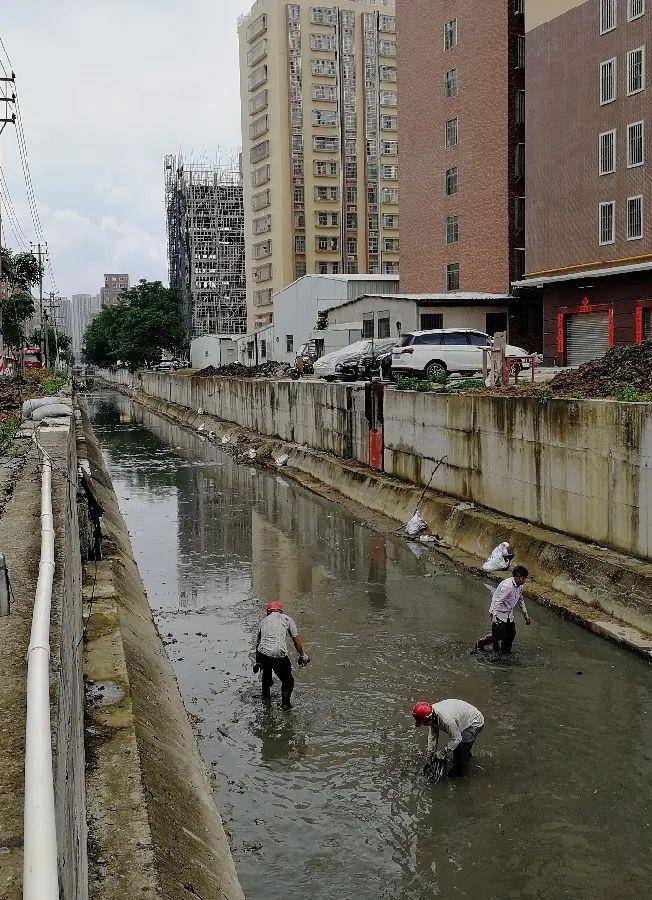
[(107, 88)]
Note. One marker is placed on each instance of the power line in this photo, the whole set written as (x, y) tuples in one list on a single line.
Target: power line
[(19, 231)]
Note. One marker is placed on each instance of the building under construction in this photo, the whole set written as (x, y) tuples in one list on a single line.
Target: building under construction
[(206, 255)]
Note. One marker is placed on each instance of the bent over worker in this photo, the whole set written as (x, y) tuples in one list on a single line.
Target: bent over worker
[(460, 722), (271, 652), (507, 596)]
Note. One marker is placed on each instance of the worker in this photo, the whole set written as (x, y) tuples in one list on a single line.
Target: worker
[(500, 558), (460, 722), (507, 596), (271, 652)]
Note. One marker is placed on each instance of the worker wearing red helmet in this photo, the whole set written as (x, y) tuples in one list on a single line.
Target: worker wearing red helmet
[(460, 722), (271, 652)]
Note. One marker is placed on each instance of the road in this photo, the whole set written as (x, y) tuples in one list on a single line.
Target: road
[(327, 801)]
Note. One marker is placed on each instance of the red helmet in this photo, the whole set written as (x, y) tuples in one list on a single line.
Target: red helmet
[(422, 711), (275, 606)]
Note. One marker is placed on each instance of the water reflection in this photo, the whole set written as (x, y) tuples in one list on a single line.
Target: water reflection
[(332, 791)]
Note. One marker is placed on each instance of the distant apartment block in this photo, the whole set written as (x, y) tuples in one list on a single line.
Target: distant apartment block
[(114, 287), (74, 315), (320, 150), (589, 249), (205, 226), (461, 118)]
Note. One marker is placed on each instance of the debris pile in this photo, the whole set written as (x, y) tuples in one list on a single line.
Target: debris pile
[(623, 370), (237, 370)]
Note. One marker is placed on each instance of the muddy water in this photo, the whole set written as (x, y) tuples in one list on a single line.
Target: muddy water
[(325, 802)]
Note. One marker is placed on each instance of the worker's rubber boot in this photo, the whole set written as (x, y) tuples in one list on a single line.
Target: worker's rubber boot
[(285, 698), (267, 695)]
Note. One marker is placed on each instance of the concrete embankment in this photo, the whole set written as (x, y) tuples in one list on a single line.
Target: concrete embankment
[(598, 586), (153, 822)]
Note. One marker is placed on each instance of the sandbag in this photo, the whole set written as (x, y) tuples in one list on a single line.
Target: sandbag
[(30, 405), (416, 525), (52, 410)]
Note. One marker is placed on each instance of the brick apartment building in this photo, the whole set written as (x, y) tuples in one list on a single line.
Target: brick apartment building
[(589, 247), (461, 132)]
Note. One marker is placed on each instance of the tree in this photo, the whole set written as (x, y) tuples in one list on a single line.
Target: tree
[(21, 271), (147, 321), (62, 341)]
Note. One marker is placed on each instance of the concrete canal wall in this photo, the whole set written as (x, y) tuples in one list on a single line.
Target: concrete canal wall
[(579, 467)]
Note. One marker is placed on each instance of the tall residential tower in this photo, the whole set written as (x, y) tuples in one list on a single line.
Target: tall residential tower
[(319, 135)]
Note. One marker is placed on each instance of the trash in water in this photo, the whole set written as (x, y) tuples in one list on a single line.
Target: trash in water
[(416, 525), (435, 769), (201, 427), (282, 460), (461, 507), (226, 439), (252, 453), (200, 411)]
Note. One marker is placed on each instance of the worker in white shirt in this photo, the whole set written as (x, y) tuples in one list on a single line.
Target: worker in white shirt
[(272, 655), (507, 596), (460, 722), (500, 558)]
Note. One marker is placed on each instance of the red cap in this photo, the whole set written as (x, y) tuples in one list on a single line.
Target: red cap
[(422, 711), (275, 606)]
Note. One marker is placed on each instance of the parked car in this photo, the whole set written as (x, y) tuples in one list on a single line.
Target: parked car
[(445, 350), (378, 362), (168, 365), (344, 363)]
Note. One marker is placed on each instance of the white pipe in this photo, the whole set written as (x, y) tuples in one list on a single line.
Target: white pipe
[(40, 874)]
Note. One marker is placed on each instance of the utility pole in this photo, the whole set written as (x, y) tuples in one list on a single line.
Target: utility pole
[(5, 119), (42, 314)]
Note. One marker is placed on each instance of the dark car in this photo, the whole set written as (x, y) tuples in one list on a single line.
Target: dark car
[(377, 364)]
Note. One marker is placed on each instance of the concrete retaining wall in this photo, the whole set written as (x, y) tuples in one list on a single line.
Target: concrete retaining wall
[(578, 467)]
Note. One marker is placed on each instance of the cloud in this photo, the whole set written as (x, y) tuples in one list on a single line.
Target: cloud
[(107, 89)]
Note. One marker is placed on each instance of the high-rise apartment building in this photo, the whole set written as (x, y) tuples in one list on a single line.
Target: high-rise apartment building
[(114, 287), (205, 222), (74, 315), (319, 133), (589, 247), (461, 132)]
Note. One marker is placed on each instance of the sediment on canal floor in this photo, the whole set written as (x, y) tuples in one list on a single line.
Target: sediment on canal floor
[(154, 828), (597, 587)]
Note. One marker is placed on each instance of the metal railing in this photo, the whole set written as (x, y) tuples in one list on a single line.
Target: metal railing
[(40, 875)]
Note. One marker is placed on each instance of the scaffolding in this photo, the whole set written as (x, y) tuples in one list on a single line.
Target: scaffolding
[(206, 252)]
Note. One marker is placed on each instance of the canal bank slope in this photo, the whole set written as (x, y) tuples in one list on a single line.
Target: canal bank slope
[(598, 587), (154, 828)]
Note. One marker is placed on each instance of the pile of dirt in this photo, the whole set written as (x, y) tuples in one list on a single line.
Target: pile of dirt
[(627, 369), (237, 370)]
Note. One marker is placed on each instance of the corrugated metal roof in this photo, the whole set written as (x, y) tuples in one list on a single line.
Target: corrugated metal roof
[(609, 271)]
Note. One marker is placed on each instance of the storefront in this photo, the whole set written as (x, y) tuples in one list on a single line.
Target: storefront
[(587, 314)]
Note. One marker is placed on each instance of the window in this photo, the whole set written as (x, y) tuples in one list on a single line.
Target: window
[(387, 73), (351, 194), (322, 15), (389, 148), (388, 123), (607, 215), (390, 245), (635, 9), (257, 78), (257, 53), (636, 70), (289, 343), (388, 98), (607, 152), (258, 127), (324, 92), (387, 48), (322, 42), (387, 24), (258, 102), (259, 152), (607, 81), (327, 244), (431, 321), (452, 229), (519, 161), (520, 52), (452, 181), (607, 15), (635, 144), (383, 324), (324, 117), (519, 7), (519, 213), (327, 193), (263, 349), (263, 298), (390, 268), (323, 67), (519, 107), (634, 218), (262, 225), (260, 176), (389, 173), (451, 84), (450, 34), (260, 201), (325, 144), (452, 132), (367, 325), (322, 169), (390, 220), (256, 28), (453, 277), (389, 195), (262, 250), (327, 219), (300, 243), (495, 321), (351, 221), (263, 273)]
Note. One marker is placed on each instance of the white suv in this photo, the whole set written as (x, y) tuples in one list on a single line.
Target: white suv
[(444, 350)]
